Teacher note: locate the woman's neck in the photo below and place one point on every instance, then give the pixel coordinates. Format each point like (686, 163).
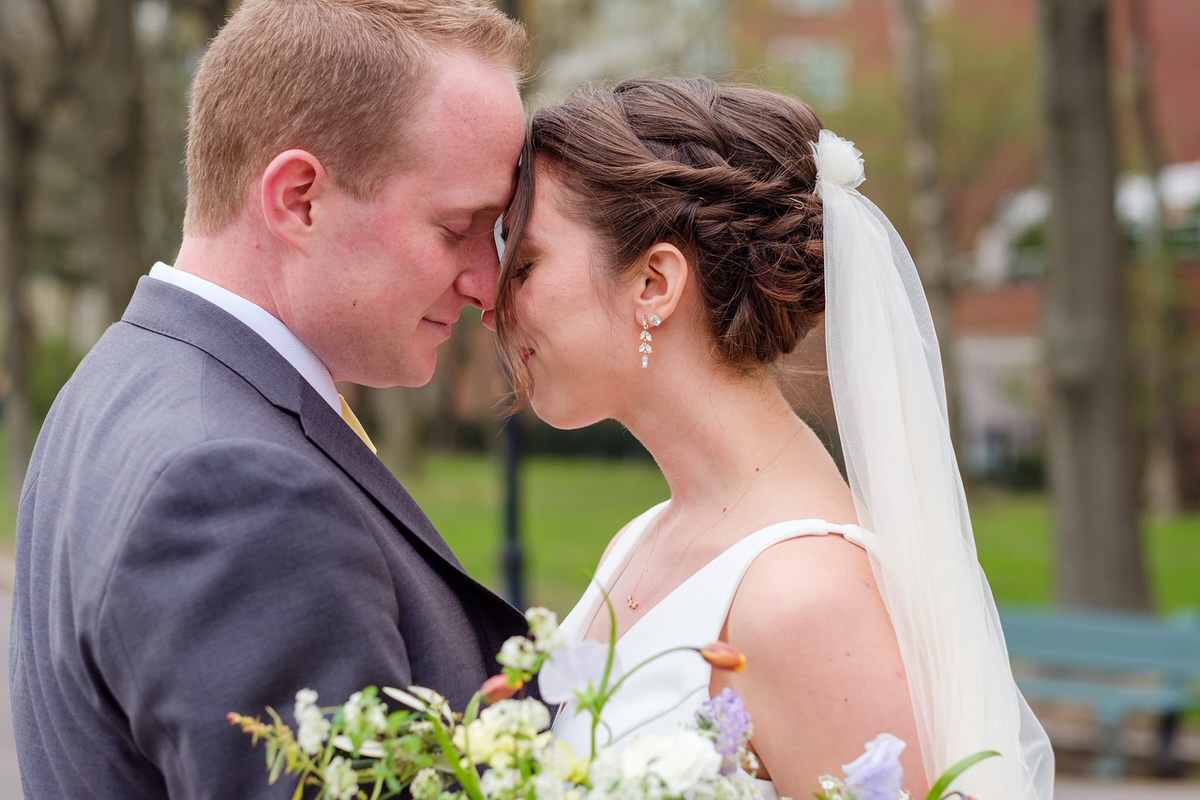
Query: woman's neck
(713, 434)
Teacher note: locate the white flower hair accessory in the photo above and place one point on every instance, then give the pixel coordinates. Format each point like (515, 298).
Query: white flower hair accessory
(838, 161)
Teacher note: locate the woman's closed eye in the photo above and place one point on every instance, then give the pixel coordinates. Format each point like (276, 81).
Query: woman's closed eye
(521, 269)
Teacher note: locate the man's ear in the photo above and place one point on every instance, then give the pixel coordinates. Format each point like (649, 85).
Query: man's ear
(289, 185)
(660, 282)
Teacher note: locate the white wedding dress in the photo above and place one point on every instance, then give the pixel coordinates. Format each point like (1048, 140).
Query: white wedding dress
(668, 692)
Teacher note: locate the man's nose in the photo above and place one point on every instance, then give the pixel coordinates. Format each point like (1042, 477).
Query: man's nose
(477, 282)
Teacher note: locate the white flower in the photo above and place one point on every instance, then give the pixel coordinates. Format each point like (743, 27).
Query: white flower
(366, 711)
(548, 787)
(543, 625)
(735, 786)
(502, 730)
(559, 762)
(571, 669)
(519, 653)
(499, 782)
(340, 780)
(426, 785)
(672, 764)
(311, 725)
(420, 698)
(369, 748)
(838, 161)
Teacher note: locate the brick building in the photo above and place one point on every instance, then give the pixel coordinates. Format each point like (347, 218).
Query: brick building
(842, 54)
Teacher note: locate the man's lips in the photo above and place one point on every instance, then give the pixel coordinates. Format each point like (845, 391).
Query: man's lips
(443, 325)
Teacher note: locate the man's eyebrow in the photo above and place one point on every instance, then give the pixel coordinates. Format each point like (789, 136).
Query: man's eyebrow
(468, 209)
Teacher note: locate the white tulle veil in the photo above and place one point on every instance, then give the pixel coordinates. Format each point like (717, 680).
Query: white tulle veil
(890, 401)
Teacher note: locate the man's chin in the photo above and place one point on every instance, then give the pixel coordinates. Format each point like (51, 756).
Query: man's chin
(410, 376)
(419, 377)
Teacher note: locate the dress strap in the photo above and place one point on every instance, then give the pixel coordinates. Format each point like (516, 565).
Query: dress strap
(699, 606)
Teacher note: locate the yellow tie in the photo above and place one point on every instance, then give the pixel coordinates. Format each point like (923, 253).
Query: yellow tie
(355, 425)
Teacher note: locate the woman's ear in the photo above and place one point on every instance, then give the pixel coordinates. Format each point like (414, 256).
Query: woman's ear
(289, 185)
(660, 282)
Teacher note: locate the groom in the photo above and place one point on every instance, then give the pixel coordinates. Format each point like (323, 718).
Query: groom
(204, 527)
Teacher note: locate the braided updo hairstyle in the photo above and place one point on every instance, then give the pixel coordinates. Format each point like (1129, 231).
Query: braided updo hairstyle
(723, 172)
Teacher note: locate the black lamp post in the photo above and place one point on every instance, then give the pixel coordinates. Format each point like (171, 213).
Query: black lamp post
(512, 557)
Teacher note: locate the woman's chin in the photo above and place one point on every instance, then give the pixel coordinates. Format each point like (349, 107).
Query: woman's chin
(563, 418)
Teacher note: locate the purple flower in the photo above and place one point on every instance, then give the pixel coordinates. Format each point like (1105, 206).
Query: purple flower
(728, 715)
(877, 773)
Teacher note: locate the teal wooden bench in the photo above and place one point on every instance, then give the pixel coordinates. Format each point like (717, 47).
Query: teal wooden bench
(1116, 663)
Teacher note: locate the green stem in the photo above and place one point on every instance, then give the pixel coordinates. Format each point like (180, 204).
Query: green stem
(654, 657)
(466, 775)
(605, 691)
(608, 665)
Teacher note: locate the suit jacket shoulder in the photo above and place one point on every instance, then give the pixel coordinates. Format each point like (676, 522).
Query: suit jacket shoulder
(201, 533)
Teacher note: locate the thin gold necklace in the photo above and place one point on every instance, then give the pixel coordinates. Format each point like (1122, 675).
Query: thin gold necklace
(630, 600)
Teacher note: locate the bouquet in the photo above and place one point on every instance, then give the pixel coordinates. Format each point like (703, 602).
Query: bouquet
(500, 747)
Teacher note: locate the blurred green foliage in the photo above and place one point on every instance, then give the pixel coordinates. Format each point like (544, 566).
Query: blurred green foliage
(52, 363)
(570, 508)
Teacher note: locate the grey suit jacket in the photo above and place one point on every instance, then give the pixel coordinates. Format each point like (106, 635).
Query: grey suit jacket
(199, 533)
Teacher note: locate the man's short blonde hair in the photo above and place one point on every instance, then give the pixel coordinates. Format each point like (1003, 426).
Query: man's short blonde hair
(337, 78)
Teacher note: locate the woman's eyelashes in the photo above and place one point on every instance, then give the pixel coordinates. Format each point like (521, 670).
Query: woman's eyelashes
(521, 266)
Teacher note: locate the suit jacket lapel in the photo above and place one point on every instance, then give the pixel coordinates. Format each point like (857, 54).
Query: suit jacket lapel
(174, 312)
(330, 433)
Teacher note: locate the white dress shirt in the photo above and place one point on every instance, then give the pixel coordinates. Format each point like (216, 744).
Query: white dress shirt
(262, 322)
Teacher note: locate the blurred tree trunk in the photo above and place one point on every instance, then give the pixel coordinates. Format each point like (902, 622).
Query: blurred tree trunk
(928, 205)
(18, 136)
(396, 415)
(1091, 434)
(1163, 311)
(112, 87)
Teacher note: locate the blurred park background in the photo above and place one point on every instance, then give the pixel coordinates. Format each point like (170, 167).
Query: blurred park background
(1041, 157)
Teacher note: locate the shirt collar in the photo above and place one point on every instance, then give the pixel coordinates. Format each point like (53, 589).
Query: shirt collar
(262, 322)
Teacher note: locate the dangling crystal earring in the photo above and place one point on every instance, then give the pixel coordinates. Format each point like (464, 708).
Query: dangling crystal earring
(645, 349)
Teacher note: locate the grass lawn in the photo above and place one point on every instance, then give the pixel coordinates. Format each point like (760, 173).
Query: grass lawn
(8, 510)
(570, 508)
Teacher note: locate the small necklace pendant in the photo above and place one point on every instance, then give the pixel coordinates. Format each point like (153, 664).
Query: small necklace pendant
(633, 604)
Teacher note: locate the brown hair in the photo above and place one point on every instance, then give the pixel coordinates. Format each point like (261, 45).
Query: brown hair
(337, 78)
(724, 172)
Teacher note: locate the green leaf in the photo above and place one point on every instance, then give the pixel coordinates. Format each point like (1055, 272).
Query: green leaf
(466, 775)
(958, 768)
(276, 768)
(472, 709)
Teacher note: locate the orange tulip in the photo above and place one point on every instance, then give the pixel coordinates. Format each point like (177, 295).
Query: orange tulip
(498, 687)
(723, 656)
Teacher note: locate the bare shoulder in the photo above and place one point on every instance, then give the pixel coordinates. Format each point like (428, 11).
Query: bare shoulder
(810, 586)
(823, 670)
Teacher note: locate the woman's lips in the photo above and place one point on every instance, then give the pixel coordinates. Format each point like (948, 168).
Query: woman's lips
(526, 353)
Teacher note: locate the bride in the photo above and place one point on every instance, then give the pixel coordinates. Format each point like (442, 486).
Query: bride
(670, 240)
